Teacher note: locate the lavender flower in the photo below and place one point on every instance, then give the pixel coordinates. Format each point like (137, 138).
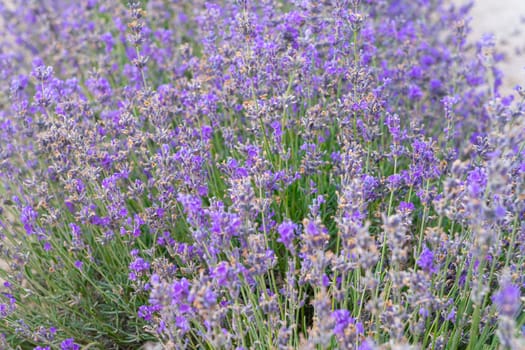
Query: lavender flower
(69, 344)
(273, 174)
(507, 300)
(287, 234)
(426, 261)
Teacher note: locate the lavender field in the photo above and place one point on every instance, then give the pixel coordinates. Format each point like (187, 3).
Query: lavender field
(270, 174)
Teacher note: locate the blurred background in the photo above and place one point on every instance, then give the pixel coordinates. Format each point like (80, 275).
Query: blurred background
(506, 20)
(503, 18)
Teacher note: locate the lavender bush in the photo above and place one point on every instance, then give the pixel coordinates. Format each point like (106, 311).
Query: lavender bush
(272, 174)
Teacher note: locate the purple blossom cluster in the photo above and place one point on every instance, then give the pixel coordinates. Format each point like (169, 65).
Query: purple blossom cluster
(339, 174)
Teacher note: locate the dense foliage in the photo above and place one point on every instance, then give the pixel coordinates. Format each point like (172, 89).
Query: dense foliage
(272, 174)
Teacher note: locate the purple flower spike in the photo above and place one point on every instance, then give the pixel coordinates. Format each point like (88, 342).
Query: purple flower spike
(342, 320)
(69, 344)
(507, 300)
(426, 261)
(79, 264)
(287, 231)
